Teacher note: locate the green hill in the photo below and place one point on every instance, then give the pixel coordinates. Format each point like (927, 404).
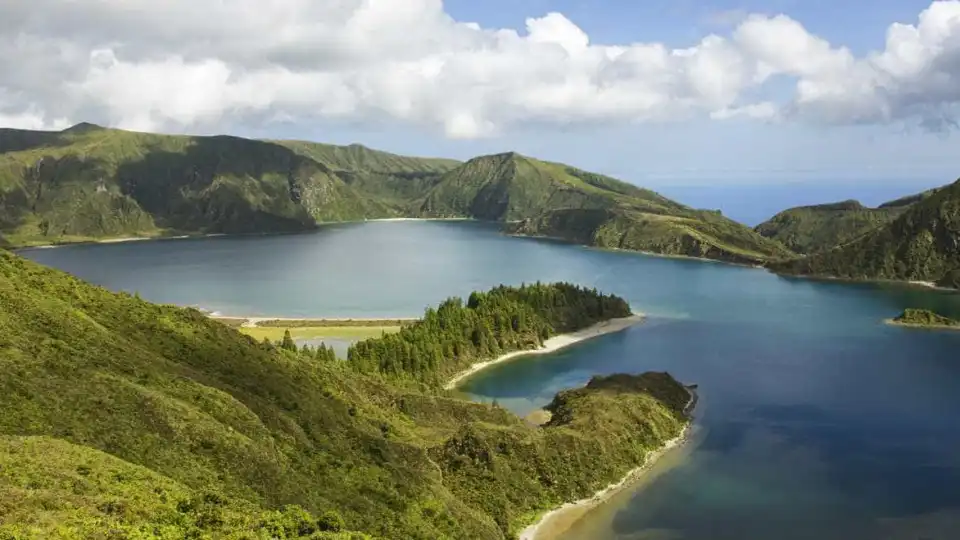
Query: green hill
(89, 182)
(125, 419)
(539, 198)
(921, 244)
(807, 229)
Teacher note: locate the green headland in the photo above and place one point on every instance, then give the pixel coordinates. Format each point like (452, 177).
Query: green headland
(126, 419)
(924, 318)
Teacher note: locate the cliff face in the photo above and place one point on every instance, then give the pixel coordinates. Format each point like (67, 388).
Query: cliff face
(808, 229)
(89, 182)
(95, 182)
(922, 244)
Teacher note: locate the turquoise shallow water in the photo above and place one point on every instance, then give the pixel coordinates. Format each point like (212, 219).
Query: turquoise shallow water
(816, 420)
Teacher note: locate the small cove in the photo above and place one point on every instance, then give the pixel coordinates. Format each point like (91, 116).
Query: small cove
(816, 420)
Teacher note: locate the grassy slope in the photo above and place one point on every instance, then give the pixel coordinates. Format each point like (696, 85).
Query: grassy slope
(120, 413)
(922, 244)
(809, 229)
(88, 182)
(91, 182)
(550, 199)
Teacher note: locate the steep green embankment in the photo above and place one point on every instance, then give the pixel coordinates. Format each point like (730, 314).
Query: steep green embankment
(555, 200)
(88, 182)
(922, 244)
(91, 182)
(808, 229)
(128, 419)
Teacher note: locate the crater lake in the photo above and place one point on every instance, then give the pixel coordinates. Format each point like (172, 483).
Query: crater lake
(815, 419)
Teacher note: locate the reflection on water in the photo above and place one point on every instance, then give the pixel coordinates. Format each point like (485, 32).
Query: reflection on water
(818, 421)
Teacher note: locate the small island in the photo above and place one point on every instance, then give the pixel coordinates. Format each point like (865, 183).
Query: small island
(924, 318)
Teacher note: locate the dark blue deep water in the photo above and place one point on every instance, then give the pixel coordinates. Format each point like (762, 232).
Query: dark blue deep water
(816, 420)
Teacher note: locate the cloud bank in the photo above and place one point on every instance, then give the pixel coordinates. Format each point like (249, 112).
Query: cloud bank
(148, 65)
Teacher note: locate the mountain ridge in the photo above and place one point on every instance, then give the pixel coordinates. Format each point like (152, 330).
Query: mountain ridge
(921, 244)
(89, 182)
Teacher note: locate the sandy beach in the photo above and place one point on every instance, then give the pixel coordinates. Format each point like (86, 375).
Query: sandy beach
(552, 345)
(251, 322)
(538, 530)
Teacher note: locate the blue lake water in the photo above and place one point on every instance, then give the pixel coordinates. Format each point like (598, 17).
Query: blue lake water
(816, 420)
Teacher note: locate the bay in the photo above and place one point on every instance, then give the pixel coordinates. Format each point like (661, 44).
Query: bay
(816, 420)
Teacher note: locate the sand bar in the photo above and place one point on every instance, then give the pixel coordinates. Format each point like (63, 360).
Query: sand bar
(552, 345)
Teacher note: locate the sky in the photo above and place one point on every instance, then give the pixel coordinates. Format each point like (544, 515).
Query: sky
(709, 98)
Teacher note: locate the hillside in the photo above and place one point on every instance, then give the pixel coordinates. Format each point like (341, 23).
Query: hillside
(89, 182)
(539, 198)
(922, 244)
(137, 420)
(807, 229)
(690, 233)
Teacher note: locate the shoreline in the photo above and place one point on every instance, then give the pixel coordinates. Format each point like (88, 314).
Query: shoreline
(893, 322)
(552, 344)
(125, 239)
(636, 251)
(909, 283)
(533, 531)
(254, 322)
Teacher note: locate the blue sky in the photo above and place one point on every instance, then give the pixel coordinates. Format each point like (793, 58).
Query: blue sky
(774, 111)
(870, 160)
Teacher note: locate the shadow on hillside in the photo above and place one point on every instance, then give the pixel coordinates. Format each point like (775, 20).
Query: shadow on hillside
(222, 184)
(16, 140)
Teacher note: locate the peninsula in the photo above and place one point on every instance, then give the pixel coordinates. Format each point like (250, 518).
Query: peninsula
(924, 318)
(145, 419)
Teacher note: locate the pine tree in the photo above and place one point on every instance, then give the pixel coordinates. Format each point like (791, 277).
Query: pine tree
(288, 342)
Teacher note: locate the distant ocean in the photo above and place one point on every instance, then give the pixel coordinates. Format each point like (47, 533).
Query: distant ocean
(752, 204)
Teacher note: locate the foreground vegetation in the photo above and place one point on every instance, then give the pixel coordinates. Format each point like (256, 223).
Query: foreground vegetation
(924, 318)
(919, 245)
(125, 419)
(89, 182)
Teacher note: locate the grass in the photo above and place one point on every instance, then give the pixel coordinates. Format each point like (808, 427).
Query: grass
(339, 323)
(125, 419)
(274, 333)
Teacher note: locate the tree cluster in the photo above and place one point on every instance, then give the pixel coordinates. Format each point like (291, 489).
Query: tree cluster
(504, 319)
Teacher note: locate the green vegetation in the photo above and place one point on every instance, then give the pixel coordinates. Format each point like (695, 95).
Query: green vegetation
(125, 419)
(313, 332)
(558, 201)
(808, 229)
(338, 323)
(89, 182)
(505, 319)
(924, 318)
(920, 245)
(689, 233)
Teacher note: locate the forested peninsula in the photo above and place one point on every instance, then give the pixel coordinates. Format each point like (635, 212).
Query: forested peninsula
(88, 183)
(147, 420)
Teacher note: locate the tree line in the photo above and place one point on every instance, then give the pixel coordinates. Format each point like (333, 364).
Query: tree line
(504, 319)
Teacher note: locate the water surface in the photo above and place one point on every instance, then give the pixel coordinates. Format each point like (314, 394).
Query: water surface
(815, 420)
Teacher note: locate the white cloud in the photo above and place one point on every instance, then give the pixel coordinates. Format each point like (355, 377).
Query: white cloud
(186, 63)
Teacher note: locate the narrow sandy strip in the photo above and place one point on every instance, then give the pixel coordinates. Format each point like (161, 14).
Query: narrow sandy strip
(531, 532)
(552, 345)
(253, 322)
